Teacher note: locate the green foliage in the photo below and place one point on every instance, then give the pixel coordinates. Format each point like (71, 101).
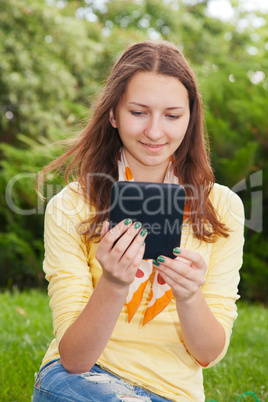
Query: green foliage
(48, 70)
(22, 213)
(53, 61)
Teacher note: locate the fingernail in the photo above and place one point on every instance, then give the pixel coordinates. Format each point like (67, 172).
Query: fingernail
(143, 232)
(176, 250)
(127, 221)
(137, 225)
(156, 263)
(161, 259)
(143, 243)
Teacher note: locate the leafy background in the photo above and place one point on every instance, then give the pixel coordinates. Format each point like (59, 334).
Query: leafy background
(54, 57)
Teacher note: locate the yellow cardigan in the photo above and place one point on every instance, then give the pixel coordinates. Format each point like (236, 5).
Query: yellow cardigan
(154, 356)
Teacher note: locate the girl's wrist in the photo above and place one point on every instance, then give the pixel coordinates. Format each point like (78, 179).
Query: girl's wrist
(191, 301)
(113, 286)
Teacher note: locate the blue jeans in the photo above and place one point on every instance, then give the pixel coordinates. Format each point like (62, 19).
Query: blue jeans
(54, 383)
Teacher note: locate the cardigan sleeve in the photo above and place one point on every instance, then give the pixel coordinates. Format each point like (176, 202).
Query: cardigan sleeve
(67, 260)
(221, 286)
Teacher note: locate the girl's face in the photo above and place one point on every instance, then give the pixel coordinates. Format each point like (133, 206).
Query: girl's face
(152, 117)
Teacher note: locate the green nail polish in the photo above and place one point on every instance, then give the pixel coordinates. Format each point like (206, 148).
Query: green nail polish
(156, 263)
(143, 232)
(137, 225)
(143, 243)
(127, 221)
(176, 250)
(161, 259)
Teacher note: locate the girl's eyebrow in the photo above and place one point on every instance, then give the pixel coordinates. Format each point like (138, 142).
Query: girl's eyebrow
(145, 106)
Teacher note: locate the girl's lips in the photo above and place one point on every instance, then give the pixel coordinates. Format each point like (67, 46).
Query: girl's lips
(152, 147)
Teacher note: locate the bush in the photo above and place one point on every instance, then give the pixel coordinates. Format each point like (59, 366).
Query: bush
(53, 60)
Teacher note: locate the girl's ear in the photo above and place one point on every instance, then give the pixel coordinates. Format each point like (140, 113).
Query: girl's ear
(112, 119)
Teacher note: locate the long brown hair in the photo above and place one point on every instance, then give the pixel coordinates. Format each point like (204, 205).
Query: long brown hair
(92, 158)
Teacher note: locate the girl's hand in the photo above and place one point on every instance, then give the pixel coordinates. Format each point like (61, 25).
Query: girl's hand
(121, 261)
(185, 274)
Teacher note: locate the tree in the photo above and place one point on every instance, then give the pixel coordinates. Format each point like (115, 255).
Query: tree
(52, 62)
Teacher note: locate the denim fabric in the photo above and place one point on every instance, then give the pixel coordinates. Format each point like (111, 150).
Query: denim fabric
(54, 383)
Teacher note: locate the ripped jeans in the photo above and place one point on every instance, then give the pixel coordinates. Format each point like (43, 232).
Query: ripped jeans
(54, 383)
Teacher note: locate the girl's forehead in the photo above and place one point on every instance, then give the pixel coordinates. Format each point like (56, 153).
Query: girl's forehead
(153, 87)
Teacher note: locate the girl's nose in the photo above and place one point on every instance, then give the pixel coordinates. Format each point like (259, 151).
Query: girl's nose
(153, 130)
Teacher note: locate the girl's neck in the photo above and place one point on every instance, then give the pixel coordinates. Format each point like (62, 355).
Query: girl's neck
(154, 174)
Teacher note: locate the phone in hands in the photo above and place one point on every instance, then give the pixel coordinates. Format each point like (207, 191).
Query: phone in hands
(158, 206)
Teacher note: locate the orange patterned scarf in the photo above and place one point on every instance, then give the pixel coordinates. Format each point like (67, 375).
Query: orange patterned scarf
(161, 292)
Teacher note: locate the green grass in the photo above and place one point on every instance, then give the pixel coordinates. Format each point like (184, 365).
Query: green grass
(244, 368)
(26, 331)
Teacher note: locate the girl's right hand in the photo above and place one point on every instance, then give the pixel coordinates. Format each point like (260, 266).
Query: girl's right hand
(121, 261)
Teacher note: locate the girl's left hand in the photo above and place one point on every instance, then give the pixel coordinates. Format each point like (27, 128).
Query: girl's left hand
(185, 274)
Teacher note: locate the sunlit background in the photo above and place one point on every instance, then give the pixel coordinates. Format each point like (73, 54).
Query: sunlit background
(54, 57)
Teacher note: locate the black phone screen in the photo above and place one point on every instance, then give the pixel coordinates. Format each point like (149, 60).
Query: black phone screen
(158, 206)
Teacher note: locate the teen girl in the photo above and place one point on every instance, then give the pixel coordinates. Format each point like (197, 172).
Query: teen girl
(128, 329)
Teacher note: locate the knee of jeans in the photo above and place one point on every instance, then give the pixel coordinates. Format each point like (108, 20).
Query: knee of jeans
(127, 395)
(131, 397)
(99, 378)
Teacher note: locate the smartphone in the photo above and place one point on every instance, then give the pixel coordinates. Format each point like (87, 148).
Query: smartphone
(158, 206)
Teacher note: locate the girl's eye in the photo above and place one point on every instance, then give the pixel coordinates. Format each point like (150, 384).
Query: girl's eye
(172, 116)
(136, 113)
